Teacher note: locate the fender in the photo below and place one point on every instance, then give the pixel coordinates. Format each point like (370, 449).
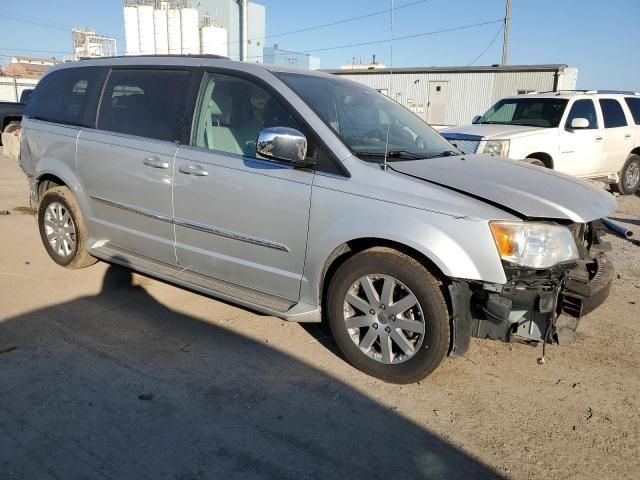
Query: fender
(420, 230)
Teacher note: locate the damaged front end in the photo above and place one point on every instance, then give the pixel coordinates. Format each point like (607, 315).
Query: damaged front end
(535, 305)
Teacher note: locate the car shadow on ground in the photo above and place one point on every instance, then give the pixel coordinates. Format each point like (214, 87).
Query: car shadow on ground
(119, 386)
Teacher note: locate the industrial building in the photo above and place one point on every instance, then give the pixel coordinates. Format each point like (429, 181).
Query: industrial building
(233, 28)
(452, 96)
(88, 44)
(278, 56)
(28, 67)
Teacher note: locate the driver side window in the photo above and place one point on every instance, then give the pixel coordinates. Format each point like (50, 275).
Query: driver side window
(583, 109)
(231, 113)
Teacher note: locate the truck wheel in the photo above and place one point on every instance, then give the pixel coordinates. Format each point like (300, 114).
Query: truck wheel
(63, 230)
(534, 161)
(388, 315)
(629, 176)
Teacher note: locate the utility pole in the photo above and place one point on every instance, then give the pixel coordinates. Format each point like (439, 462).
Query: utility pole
(505, 43)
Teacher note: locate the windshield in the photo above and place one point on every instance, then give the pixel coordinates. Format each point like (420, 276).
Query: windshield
(363, 118)
(532, 112)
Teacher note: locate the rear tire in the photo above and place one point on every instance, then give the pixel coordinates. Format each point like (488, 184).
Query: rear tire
(63, 230)
(629, 177)
(381, 337)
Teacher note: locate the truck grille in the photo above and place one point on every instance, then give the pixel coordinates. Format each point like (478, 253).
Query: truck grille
(466, 143)
(467, 146)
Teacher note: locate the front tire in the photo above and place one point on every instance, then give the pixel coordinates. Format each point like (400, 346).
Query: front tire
(629, 176)
(388, 315)
(63, 230)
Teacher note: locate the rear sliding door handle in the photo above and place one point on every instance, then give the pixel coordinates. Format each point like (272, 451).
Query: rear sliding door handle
(155, 162)
(598, 139)
(195, 170)
(628, 135)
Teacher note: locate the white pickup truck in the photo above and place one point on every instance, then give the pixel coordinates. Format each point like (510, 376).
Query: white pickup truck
(589, 134)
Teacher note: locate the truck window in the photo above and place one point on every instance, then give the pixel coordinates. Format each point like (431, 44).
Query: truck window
(583, 109)
(62, 96)
(634, 106)
(612, 113)
(146, 103)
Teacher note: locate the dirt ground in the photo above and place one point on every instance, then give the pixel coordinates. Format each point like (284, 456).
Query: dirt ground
(104, 374)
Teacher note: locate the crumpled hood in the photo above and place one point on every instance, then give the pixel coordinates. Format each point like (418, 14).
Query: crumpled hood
(532, 192)
(499, 132)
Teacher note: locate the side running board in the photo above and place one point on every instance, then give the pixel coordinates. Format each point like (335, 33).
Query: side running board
(207, 285)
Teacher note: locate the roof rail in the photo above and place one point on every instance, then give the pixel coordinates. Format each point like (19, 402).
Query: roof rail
(171, 55)
(590, 92)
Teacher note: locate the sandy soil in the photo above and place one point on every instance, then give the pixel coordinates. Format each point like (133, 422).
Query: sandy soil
(104, 374)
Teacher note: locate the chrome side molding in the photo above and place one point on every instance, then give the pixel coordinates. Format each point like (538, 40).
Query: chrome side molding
(195, 226)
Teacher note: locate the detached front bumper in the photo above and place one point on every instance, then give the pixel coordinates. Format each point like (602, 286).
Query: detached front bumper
(534, 305)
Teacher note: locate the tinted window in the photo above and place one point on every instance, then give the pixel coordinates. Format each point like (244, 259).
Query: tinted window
(63, 95)
(533, 112)
(231, 113)
(612, 113)
(583, 109)
(634, 106)
(146, 103)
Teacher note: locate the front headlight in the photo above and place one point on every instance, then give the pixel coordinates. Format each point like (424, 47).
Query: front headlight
(532, 244)
(497, 147)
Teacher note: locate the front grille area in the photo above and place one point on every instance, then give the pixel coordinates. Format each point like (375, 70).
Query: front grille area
(466, 146)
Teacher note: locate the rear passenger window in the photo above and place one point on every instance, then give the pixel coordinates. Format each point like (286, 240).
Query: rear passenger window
(612, 113)
(62, 96)
(634, 106)
(146, 103)
(583, 109)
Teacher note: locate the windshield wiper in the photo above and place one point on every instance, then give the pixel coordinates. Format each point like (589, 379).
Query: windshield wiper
(401, 154)
(446, 153)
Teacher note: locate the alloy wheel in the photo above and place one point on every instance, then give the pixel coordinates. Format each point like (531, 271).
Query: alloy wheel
(384, 318)
(60, 229)
(632, 176)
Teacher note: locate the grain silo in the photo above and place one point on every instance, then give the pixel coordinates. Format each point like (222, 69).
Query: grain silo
(189, 31)
(131, 34)
(174, 31)
(160, 27)
(146, 30)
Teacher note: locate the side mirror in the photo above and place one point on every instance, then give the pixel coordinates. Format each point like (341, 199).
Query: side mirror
(284, 144)
(476, 119)
(579, 122)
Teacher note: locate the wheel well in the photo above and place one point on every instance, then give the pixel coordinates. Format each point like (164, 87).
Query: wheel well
(636, 151)
(46, 182)
(350, 248)
(544, 158)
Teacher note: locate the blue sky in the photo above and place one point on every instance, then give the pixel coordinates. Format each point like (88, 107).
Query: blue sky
(598, 37)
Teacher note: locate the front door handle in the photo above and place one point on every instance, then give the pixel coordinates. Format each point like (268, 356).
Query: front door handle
(628, 135)
(155, 162)
(598, 139)
(195, 170)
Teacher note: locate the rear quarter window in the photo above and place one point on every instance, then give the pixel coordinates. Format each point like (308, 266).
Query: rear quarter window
(634, 106)
(63, 96)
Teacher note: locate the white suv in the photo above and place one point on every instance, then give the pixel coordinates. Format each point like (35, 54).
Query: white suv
(589, 134)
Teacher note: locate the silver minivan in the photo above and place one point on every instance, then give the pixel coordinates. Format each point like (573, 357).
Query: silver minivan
(309, 197)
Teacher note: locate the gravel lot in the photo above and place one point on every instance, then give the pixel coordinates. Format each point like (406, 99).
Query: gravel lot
(104, 374)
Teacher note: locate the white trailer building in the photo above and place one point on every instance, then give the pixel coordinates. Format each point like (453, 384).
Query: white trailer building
(452, 96)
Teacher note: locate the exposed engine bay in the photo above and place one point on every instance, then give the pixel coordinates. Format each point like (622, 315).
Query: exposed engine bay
(536, 305)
